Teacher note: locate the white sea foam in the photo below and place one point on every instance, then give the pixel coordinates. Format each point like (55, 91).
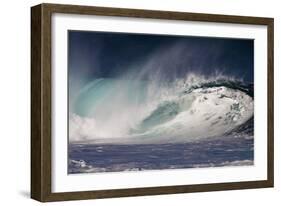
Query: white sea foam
(77, 167)
(226, 163)
(139, 112)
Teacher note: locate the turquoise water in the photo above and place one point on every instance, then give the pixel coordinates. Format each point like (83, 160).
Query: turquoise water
(134, 125)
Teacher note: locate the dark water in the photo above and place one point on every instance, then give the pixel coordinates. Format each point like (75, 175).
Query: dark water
(215, 152)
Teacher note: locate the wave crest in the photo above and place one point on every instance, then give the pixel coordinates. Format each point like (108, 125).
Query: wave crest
(110, 110)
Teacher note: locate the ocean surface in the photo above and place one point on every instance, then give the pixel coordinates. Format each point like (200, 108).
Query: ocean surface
(216, 152)
(129, 125)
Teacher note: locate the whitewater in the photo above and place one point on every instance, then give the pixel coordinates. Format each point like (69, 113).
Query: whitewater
(130, 111)
(135, 124)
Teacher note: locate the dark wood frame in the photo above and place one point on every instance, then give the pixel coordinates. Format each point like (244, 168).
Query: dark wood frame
(41, 101)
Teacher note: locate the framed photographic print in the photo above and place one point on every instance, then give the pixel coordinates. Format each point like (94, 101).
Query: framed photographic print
(132, 102)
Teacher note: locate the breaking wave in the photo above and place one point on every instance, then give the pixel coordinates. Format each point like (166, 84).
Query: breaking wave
(140, 111)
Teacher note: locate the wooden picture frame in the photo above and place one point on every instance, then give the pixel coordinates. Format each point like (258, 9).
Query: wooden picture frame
(41, 101)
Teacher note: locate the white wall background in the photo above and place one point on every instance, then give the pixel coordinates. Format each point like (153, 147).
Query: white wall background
(15, 102)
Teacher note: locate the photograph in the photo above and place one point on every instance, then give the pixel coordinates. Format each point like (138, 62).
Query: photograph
(133, 102)
(139, 102)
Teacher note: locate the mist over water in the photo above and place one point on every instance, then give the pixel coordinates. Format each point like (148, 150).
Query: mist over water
(143, 111)
(139, 102)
